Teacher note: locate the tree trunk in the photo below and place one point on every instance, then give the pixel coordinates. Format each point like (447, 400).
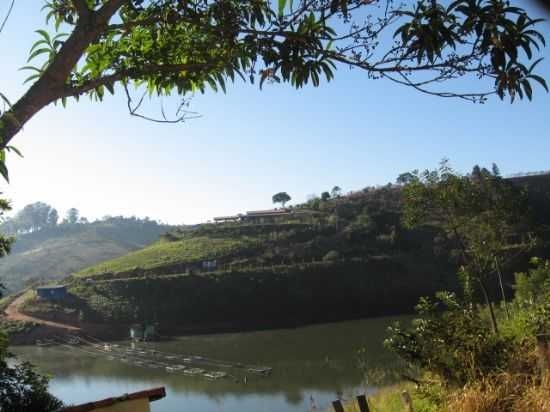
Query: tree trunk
(490, 305)
(52, 84)
(499, 273)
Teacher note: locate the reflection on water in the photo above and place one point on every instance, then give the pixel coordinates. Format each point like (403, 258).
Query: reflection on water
(315, 362)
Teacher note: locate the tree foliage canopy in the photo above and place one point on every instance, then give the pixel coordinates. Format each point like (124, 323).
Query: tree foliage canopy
(181, 47)
(21, 388)
(281, 197)
(485, 218)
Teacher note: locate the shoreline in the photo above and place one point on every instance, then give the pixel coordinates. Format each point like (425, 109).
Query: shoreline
(113, 332)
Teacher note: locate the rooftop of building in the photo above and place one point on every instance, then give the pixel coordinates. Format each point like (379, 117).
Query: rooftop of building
(51, 287)
(151, 394)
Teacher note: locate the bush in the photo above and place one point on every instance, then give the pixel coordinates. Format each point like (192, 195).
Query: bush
(533, 297)
(534, 286)
(21, 388)
(452, 341)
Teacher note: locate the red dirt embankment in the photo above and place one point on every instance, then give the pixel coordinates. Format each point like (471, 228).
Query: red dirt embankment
(13, 313)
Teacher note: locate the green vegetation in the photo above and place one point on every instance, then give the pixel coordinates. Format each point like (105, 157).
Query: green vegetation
(348, 256)
(485, 219)
(282, 198)
(168, 253)
(50, 251)
(373, 252)
(270, 296)
(343, 260)
(175, 47)
(21, 388)
(464, 365)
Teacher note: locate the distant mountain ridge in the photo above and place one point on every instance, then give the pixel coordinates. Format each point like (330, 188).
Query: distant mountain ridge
(55, 252)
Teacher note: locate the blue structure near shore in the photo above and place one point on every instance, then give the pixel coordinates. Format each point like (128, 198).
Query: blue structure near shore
(57, 292)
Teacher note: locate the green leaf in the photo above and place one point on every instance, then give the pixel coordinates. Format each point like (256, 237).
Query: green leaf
(5, 99)
(44, 34)
(30, 78)
(31, 68)
(110, 87)
(37, 44)
(4, 171)
(14, 149)
(528, 89)
(282, 5)
(540, 80)
(37, 53)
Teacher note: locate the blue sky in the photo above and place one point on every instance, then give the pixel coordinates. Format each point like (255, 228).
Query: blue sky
(248, 144)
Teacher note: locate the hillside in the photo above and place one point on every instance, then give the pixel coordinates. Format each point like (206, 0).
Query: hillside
(55, 252)
(336, 259)
(326, 260)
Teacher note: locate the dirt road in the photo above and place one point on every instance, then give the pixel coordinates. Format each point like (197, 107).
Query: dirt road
(13, 313)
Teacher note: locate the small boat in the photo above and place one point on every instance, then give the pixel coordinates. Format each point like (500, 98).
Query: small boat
(170, 369)
(170, 357)
(179, 367)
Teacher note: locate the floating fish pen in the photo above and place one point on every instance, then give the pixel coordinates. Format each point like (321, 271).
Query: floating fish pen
(189, 365)
(45, 342)
(264, 370)
(193, 371)
(215, 375)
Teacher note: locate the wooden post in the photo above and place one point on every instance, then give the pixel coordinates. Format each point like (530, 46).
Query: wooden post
(407, 401)
(337, 405)
(363, 404)
(543, 352)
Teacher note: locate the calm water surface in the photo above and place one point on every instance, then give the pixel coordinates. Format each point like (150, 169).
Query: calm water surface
(318, 363)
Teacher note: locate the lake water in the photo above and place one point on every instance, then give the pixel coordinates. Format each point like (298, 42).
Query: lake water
(310, 364)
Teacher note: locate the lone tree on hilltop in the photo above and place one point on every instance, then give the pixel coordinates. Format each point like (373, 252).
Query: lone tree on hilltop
(175, 47)
(72, 216)
(281, 197)
(336, 191)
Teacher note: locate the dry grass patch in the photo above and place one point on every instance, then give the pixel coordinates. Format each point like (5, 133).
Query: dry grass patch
(504, 393)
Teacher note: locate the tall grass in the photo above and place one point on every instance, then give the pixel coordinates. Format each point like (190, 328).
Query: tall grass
(504, 393)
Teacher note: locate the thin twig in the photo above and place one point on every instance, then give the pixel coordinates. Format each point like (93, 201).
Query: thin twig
(7, 16)
(183, 115)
